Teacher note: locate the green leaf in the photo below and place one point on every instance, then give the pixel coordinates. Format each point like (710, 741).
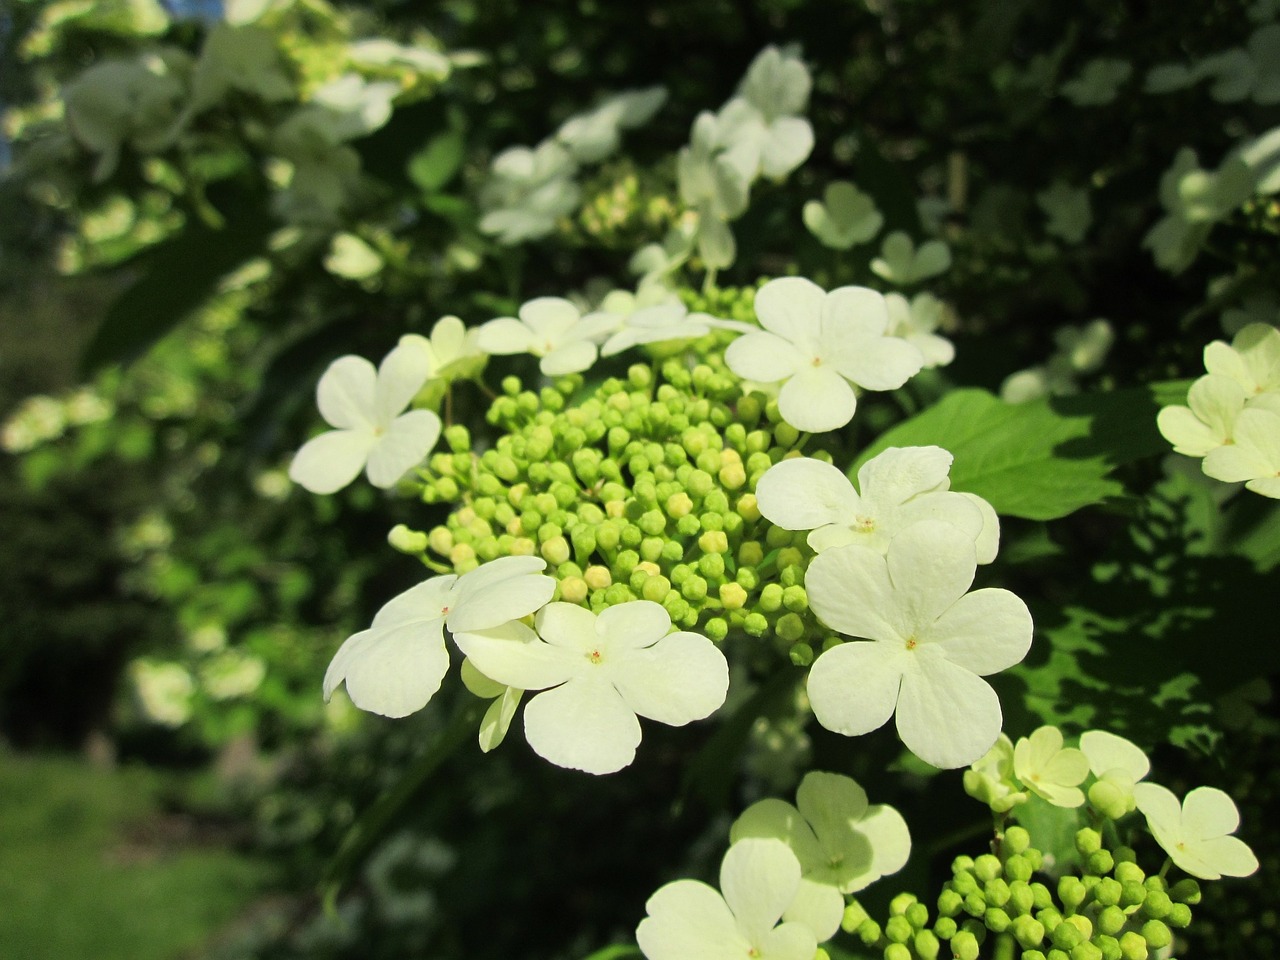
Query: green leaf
(180, 275)
(436, 164)
(1039, 460)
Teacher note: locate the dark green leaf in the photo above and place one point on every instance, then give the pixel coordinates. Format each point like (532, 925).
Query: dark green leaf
(436, 164)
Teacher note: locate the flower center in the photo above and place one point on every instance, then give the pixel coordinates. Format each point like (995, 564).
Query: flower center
(912, 643)
(864, 524)
(594, 656)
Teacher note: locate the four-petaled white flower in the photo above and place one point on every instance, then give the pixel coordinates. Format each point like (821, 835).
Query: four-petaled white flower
(373, 431)
(1050, 770)
(713, 184)
(664, 322)
(396, 666)
(761, 127)
(1118, 765)
(1252, 359)
(928, 643)
(452, 350)
(901, 263)
(689, 919)
(899, 487)
(552, 329)
(595, 134)
(843, 844)
(844, 217)
(1254, 456)
(596, 674)
(916, 322)
(527, 191)
(821, 345)
(1197, 833)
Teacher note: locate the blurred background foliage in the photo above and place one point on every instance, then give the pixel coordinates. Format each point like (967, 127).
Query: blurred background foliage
(173, 279)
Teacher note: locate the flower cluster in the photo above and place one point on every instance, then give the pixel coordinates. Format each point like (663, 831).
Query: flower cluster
(1232, 417)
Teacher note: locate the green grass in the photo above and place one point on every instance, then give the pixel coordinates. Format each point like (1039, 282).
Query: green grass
(87, 868)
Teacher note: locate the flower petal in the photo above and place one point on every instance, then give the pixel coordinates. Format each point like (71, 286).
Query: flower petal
(1208, 812)
(804, 494)
(549, 317)
(759, 879)
(682, 677)
(853, 688)
(583, 725)
(818, 907)
(345, 394)
(947, 716)
(1225, 856)
(880, 363)
(329, 462)
(1106, 751)
(900, 473)
(403, 372)
(1161, 808)
(426, 601)
(931, 565)
(403, 446)
(686, 919)
(572, 357)
(504, 589)
(817, 399)
(397, 670)
(569, 626)
(787, 145)
(497, 719)
(791, 307)
(850, 592)
(985, 631)
(762, 356)
(632, 625)
(513, 655)
(778, 819)
(505, 335)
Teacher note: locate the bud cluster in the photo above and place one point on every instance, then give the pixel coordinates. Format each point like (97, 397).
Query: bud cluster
(641, 490)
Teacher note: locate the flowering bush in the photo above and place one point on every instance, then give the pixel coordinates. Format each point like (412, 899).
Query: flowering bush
(683, 418)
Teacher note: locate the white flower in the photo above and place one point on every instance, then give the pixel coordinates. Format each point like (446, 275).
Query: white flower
(1197, 833)
(991, 780)
(595, 134)
(396, 666)
(760, 128)
(1048, 769)
(843, 844)
(1207, 422)
(453, 350)
(164, 691)
(351, 257)
(916, 323)
(715, 187)
(844, 217)
(901, 486)
(1254, 454)
(822, 344)
(527, 192)
(901, 263)
(665, 322)
(1252, 359)
(552, 329)
(1118, 765)
(689, 920)
(373, 432)
(928, 643)
(597, 673)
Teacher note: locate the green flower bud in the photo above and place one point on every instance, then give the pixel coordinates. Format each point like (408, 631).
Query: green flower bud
(964, 946)
(795, 599)
(926, 945)
(786, 434)
(1028, 931)
(1018, 867)
(573, 590)
(694, 588)
(1050, 917)
(1128, 872)
(1088, 841)
(790, 627)
(898, 930)
(1033, 955)
(1133, 946)
(732, 476)
(556, 550)
(897, 951)
(950, 903)
(1186, 890)
(801, 654)
(964, 884)
(1071, 892)
(716, 629)
(651, 549)
(997, 920)
(747, 508)
(898, 905)
(1035, 857)
(747, 578)
(790, 557)
(1109, 800)
(699, 484)
(1016, 839)
(1156, 883)
(853, 917)
(1108, 891)
(755, 624)
(945, 928)
(1085, 951)
(1081, 923)
(656, 589)
(734, 597)
(771, 597)
(1066, 935)
(712, 565)
(1043, 898)
(403, 539)
(1109, 946)
(987, 867)
(1132, 893)
(1157, 905)
(1111, 920)
(1179, 916)
(974, 904)
(1100, 863)
(1021, 899)
(869, 931)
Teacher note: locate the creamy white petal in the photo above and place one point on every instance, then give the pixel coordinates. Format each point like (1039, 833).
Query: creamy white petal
(880, 363)
(984, 631)
(689, 919)
(497, 719)
(762, 356)
(549, 317)
(402, 446)
(850, 592)
(817, 399)
(853, 688)
(831, 803)
(504, 589)
(987, 544)
(329, 462)
(890, 839)
(513, 655)
(804, 494)
(778, 819)
(583, 725)
(900, 473)
(1106, 751)
(787, 145)
(853, 316)
(397, 670)
(1208, 812)
(931, 565)
(403, 372)
(947, 716)
(1225, 856)
(791, 307)
(759, 879)
(425, 601)
(346, 393)
(818, 907)
(506, 335)
(569, 626)
(572, 357)
(682, 677)
(1161, 808)
(337, 670)
(638, 623)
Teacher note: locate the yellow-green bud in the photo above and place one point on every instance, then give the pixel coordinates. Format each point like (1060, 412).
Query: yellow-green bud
(945, 928)
(597, 577)
(790, 627)
(1111, 920)
(996, 892)
(1186, 890)
(1107, 892)
(755, 625)
(964, 946)
(713, 541)
(733, 476)
(974, 904)
(679, 505)
(1071, 892)
(789, 557)
(1132, 893)
(1100, 863)
(717, 628)
(898, 930)
(656, 589)
(1133, 946)
(926, 945)
(1016, 839)
(1028, 931)
(1066, 935)
(523, 547)
(897, 951)
(869, 931)
(1129, 872)
(997, 920)
(795, 599)
(734, 597)
(1081, 923)
(1088, 841)
(573, 590)
(407, 541)
(853, 917)
(950, 903)
(1109, 946)
(917, 915)
(987, 867)
(747, 508)
(1157, 904)
(712, 565)
(1179, 916)
(801, 654)
(1021, 899)
(899, 904)
(556, 551)
(1085, 951)
(1018, 867)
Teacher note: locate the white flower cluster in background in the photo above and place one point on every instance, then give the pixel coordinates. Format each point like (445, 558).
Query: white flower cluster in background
(784, 878)
(1080, 351)
(894, 568)
(1232, 416)
(529, 189)
(1251, 72)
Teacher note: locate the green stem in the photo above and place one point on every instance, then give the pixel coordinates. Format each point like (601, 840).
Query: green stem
(1004, 949)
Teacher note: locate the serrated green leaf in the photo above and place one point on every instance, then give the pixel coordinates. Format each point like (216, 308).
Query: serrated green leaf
(1039, 460)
